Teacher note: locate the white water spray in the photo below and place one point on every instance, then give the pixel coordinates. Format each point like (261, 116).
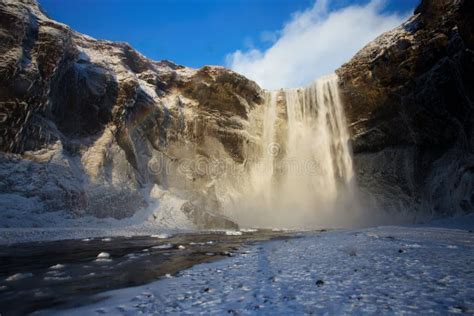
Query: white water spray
(301, 173)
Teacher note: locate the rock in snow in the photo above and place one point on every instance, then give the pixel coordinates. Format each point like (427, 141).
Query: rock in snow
(57, 266)
(19, 276)
(103, 255)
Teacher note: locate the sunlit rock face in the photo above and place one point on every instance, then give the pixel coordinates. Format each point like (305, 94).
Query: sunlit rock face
(89, 126)
(409, 102)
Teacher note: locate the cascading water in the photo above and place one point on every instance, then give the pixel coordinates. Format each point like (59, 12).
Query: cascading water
(300, 174)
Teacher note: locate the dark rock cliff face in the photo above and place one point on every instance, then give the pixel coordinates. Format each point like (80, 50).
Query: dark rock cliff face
(409, 101)
(84, 122)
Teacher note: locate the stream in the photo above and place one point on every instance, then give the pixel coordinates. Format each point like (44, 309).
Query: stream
(67, 273)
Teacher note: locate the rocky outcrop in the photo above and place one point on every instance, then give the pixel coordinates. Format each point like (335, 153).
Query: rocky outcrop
(409, 101)
(89, 126)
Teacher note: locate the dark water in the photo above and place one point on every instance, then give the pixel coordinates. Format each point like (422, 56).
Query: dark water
(133, 261)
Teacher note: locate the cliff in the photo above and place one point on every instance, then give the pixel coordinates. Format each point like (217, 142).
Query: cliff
(409, 102)
(85, 124)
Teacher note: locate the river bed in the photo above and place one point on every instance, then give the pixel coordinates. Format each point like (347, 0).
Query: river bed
(67, 273)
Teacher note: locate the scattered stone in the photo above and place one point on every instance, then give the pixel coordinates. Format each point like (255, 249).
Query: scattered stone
(19, 276)
(233, 233)
(103, 255)
(57, 266)
(164, 246)
(160, 236)
(457, 309)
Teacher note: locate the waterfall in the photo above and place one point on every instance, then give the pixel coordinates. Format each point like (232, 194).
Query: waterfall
(302, 175)
(262, 173)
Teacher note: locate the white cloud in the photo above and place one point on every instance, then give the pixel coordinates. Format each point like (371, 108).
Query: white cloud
(313, 43)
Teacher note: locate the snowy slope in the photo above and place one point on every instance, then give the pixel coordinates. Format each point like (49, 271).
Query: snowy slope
(390, 270)
(163, 215)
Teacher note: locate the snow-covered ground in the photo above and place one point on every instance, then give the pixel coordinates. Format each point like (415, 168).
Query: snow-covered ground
(425, 269)
(163, 215)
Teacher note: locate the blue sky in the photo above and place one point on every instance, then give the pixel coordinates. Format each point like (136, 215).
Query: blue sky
(197, 32)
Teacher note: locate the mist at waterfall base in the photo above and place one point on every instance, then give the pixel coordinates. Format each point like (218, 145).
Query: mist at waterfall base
(299, 171)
